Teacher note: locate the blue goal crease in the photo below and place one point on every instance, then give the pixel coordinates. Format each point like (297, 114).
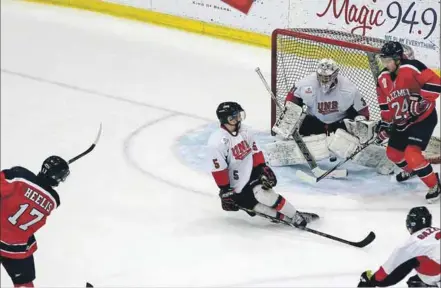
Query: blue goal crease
(192, 150)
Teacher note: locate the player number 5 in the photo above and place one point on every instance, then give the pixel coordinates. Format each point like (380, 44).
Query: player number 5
(235, 175)
(216, 163)
(34, 212)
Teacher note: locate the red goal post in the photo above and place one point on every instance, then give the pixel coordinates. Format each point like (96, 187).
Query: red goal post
(296, 52)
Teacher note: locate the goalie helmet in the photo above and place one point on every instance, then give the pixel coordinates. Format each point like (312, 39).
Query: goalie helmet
(418, 218)
(228, 111)
(54, 170)
(327, 72)
(392, 49)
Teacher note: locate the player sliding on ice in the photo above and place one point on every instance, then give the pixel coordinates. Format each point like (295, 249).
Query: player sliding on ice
(330, 114)
(240, 172)
(407, 91)
(420, 252)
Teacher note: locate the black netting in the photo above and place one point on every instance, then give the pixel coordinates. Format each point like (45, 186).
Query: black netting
(296, 53)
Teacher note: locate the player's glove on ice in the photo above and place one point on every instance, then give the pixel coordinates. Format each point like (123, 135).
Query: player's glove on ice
(382, 130)
(418, 105)
(228, 199)
(366, 279)
(267, 177)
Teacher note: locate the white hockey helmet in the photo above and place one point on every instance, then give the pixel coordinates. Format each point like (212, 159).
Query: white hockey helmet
(327, 72)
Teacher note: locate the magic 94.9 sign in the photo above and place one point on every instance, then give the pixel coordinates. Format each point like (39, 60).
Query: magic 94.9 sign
(415, 23)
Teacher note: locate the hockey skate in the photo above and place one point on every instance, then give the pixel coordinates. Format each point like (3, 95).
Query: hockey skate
(435, 192)
(404, 176)
(301, 219)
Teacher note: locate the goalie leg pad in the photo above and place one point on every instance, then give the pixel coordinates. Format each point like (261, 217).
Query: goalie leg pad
(343, 144)
(282, 153)
(288, 120)
(374, 156)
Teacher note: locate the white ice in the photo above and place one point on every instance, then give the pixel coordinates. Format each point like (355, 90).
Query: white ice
(140, 210)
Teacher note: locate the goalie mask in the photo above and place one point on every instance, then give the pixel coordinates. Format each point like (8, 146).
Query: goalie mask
(327, 72)
(230, 113)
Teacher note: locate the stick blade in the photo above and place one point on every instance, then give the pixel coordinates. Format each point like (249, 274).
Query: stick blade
(306, 177)
(98, 136)
(366, 241)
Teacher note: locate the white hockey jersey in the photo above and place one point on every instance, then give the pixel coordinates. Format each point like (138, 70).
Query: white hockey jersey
(423, 245)
(233, 157)
(330, 107)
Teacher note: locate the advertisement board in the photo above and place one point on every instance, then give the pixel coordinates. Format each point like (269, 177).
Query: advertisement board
(261, 16)
(415, 23)
(143, 4)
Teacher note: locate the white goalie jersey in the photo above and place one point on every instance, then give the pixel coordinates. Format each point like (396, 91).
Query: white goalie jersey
(332, 106)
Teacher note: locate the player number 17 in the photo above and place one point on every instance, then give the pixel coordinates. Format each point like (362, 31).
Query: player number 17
(34, 212)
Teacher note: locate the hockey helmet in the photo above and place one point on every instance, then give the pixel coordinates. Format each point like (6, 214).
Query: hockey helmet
(392, 49)
(55, 170)
(327, 72)
(418, 218)
(229, 111)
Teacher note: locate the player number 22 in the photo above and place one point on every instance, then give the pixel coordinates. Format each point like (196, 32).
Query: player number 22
(34, 212)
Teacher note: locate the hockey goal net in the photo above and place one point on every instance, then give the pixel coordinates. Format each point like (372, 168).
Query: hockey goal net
(296, 52)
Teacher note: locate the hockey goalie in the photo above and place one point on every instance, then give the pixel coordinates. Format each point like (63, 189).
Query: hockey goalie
(332, 117)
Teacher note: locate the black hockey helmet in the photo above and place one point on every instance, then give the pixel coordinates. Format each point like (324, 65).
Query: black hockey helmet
(392, 49)
(227, 111)
(418, 218)
(55, 170)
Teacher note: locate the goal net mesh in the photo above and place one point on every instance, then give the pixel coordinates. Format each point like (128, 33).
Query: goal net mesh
(296, 52)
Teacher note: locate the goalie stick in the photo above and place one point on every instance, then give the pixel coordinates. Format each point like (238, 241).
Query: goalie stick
(360, 244)
(312, 163)
(88, 149)
(311, 179)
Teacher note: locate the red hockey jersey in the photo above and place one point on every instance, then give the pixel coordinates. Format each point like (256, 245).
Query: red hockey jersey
(394, 91)
(25, 204)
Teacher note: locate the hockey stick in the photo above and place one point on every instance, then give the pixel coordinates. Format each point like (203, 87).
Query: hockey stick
(312, 163)
(360, 244)
(88, 149)
(342, 162)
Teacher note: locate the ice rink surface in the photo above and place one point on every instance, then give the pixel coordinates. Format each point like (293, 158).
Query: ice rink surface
(142, 210)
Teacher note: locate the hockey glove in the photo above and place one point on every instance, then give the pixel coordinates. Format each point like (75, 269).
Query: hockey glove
(366, 279)
(267, 178)
(228, 199)
(382, 130)
(418, 105)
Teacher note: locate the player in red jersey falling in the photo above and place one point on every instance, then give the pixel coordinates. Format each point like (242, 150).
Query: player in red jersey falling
(407, 91)
(26, 200)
